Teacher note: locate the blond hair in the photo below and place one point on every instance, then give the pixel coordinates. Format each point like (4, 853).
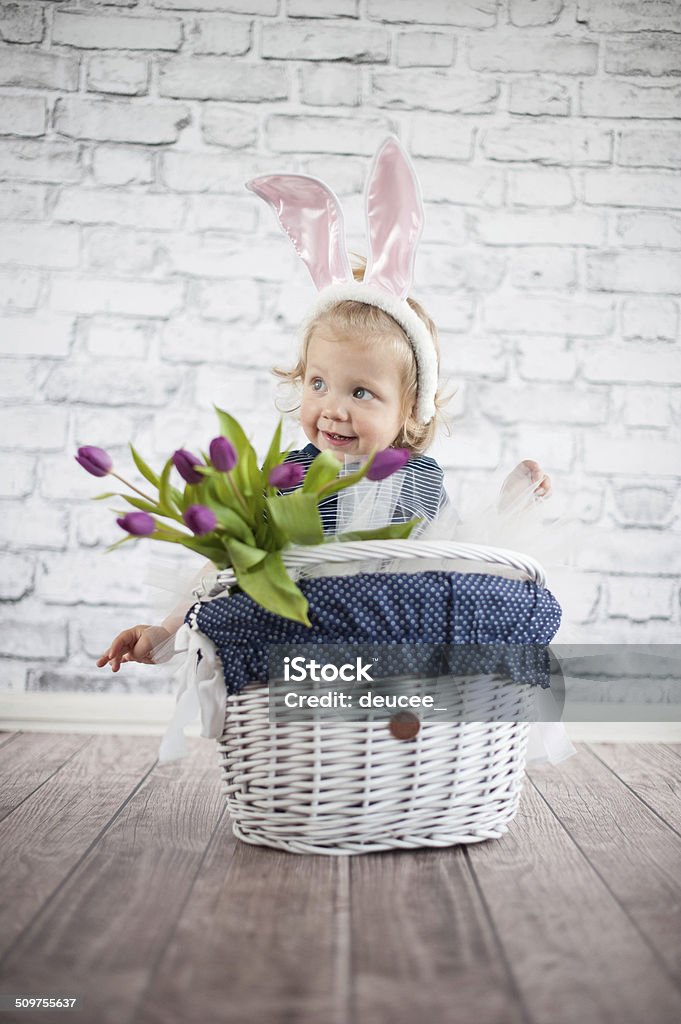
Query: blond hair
(379, 328)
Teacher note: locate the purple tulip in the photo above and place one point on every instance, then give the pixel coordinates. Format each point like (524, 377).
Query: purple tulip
(222, 454)
(139, 524)
(200, 519)
(288, 474)
(184, 463)
(387, 462)
(95, 460)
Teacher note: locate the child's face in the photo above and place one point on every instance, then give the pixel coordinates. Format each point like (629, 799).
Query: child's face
(352, 394)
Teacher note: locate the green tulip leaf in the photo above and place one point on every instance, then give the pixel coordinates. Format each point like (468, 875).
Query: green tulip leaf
(323, 470)
(194, 494)
(144, 469)
(169, 531)
(226, 494)
(118, 543)
(270, 585)
(275, 456)
(232, 523)
(165, 490)
(208, 549)
(243, 556)
(396, 531)
(140, 503)
(207, 546)
(297, 517)
(246, 474)
(348, 480)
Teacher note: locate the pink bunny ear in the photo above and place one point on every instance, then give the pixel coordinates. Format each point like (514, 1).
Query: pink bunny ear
(311, 216)
(394, 213)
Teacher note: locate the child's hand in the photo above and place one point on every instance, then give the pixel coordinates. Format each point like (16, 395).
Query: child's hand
(519, 480)
(134, 644)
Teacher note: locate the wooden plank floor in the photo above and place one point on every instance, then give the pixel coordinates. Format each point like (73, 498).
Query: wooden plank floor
(123, 884)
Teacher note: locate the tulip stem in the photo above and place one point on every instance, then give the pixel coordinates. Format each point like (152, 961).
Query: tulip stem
(238, 495)
(154, 501)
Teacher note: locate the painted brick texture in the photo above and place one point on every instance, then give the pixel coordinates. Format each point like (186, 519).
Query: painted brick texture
(140, 282)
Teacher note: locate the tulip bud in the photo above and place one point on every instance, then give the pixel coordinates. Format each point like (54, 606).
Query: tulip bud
(184, 463)
(222, 454)
(139, 524)
(94, 460)
(200, 519)
(387, 462)
(288, 474)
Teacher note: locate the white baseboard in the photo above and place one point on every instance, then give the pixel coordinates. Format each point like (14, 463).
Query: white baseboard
(624, 732)
(132, 714)
(144, 714)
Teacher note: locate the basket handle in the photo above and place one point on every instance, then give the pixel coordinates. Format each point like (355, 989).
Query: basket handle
(305, 555)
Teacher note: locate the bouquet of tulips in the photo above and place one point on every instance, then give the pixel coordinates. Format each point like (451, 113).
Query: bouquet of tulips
(231, 512)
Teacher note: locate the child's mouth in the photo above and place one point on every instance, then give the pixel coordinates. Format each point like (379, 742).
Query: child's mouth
(338, 440)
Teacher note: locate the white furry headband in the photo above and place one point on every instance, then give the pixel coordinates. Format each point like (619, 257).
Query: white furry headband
(310, 214)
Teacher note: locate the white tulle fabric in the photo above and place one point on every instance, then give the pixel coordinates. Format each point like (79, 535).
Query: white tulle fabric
(522, 525)
(200, 692)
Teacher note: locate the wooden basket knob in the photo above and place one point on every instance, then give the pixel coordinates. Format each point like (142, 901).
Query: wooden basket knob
(404, 725)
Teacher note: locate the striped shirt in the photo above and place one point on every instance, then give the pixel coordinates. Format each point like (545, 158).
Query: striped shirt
(416, 491)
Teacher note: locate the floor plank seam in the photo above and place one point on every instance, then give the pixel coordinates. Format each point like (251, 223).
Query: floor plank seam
(658, 958)
(634, 792)
(87, 740)
(512, 981)
(80, 861)
(343, 934)
(158, 960)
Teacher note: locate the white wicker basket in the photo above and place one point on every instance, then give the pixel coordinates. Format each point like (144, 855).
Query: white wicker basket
(351, 787)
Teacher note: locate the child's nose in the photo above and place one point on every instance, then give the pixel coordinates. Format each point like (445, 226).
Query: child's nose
(335, 408)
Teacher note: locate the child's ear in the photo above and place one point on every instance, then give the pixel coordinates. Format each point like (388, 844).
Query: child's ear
(409, 416)
(402, 433)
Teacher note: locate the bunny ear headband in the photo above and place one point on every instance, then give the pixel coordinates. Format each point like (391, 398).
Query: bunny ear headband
(311, 216)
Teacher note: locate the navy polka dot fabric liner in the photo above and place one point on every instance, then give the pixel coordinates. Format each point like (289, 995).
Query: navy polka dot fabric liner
(496, 624)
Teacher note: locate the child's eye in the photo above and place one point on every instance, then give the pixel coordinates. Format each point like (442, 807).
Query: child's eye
(317, 384)
(362, 393)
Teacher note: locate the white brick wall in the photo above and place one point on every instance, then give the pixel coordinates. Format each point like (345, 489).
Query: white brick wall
(139, 282)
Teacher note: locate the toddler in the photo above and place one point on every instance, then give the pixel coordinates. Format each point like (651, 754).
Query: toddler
(358, 380)
(368, 365)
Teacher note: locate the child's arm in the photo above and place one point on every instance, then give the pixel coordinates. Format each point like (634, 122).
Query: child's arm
(138, 642)
(134, 644)
(527, 477)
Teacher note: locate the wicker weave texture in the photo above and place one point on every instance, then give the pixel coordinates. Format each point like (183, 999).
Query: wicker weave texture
(350, 787)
